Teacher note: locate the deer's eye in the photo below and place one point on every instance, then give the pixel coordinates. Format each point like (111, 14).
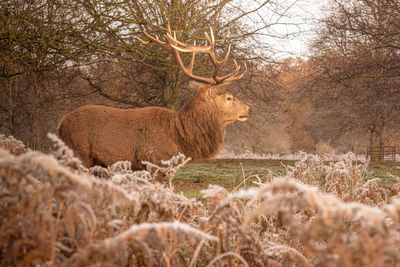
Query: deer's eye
(229, 98)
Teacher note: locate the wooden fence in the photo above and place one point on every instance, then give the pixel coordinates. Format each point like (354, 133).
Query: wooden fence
(381, 153)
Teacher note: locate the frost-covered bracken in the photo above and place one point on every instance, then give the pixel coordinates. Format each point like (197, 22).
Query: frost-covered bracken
(224, 154)
(11, 144)
(54, 211)
(102, 135)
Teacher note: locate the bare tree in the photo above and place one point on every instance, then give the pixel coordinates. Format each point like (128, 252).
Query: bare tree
(62, 53)
(356, 61)
(119, 23)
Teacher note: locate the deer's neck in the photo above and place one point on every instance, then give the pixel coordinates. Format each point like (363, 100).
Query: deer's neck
(199, 130)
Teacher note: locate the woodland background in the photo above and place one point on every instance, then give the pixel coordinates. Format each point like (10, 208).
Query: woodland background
(56, 55)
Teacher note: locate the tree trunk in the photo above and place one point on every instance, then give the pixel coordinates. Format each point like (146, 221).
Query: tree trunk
(170, 96)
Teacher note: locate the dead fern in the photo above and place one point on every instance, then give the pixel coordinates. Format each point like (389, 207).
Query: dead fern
(54, 211)
(12, 145)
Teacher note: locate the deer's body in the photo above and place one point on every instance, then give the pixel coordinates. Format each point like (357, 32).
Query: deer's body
(102, 135)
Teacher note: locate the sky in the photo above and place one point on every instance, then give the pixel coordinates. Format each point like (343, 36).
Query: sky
(303, 13)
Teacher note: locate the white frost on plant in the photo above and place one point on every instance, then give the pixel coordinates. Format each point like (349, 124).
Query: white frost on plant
(142, 229)
(291, 157)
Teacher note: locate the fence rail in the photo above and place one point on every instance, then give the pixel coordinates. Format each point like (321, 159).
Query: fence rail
(381, 153)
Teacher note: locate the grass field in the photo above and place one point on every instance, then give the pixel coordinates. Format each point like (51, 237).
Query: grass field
(230, 173)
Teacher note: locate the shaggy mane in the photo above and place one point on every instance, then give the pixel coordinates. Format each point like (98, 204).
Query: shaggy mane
(199, 128)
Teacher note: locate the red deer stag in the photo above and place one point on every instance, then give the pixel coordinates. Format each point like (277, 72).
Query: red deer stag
(101, 135)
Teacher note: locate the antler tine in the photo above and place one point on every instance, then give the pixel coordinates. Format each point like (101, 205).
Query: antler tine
(212, 37)
(218, 64)
(234, 78)
(143, 42)
(193, 58)
(155, 40)
(172, 38)
(209, 41)
(169, 28)
(226, 77)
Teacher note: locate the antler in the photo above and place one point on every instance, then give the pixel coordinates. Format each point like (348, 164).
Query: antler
(175, 46)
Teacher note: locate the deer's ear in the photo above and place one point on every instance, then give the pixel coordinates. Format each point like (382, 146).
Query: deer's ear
(195, 86)
(219, 88)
